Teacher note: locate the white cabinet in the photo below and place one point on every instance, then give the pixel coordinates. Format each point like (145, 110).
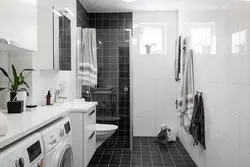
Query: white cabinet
(28, 24)
(83, 136)
(18, 22)
(48, 53)
(45, 34)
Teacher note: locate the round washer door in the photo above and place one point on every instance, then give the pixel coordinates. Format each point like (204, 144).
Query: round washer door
(64, 157)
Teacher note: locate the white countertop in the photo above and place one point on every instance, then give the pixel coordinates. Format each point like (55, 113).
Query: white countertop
(20, 125)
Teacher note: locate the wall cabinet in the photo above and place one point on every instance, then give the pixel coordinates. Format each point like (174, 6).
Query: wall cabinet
(30, 25)
(54, 40)
(18, 22)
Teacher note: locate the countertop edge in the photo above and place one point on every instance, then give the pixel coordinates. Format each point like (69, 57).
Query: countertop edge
(76, 110)
(31, 130)
(71, 109)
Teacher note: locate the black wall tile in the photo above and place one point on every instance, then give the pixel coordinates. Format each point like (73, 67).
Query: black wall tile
(113, 58)
(64, 44)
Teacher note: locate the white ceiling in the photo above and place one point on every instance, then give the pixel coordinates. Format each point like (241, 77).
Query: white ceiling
(148, 5)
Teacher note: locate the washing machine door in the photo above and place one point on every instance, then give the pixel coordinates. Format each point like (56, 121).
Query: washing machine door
(64, 156)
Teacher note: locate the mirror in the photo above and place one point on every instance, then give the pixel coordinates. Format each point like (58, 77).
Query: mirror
(62, 40)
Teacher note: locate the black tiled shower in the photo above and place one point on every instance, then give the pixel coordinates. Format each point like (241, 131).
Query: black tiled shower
(113, 40)
(145, 153)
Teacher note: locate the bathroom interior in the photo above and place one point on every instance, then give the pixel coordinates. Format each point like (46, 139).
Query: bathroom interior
(120, 71)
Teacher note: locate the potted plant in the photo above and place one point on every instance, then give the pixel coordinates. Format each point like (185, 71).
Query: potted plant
(149, 48)
(19, 86)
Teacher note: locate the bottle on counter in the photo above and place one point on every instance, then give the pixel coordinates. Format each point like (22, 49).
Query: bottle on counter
(48, 98)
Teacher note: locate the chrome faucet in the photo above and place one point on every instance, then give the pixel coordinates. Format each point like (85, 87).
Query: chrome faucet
(57, 93)
(61, 97)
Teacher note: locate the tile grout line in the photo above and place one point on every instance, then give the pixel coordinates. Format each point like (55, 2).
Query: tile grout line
(172, 159)
(180, 155)
(161, 156)
(144, 145)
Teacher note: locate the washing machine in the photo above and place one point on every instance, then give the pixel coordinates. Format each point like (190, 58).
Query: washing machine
(28, 152)
(58, 144)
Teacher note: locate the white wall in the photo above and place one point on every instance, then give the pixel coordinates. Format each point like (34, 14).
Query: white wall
(224, 78)
(4, 63)
(153, 79)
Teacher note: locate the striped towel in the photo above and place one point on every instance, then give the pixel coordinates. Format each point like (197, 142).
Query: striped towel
(186, 98)
(87, 67)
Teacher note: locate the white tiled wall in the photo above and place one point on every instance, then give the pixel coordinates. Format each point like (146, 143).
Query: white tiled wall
(4, 63)
(20, 61)
(224, 78)
(153, 78)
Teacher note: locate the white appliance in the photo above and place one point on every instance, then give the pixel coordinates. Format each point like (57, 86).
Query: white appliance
(28, 152)
(58, 144)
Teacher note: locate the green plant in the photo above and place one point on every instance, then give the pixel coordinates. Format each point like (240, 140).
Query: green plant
(17, 81)
(150, 45)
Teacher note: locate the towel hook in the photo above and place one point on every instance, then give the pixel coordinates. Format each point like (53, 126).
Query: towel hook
(201, 93)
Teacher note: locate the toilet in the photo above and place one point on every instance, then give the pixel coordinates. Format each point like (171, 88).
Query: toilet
(103, 132)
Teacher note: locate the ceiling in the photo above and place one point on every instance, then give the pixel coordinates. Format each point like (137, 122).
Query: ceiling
(148, 5)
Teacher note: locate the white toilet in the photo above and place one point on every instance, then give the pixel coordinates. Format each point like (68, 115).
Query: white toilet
(103, 132)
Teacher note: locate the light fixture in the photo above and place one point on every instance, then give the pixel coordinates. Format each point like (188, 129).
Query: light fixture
(136, 26)
(128, 0)
(69, 11)
(57, 13)
(127, 30)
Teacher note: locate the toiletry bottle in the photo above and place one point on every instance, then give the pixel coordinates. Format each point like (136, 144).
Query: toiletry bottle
(48, 98)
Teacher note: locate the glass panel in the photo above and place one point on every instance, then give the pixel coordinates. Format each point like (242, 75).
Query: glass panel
(113, 32)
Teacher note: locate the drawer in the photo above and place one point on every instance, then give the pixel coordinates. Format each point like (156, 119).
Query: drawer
(89, 123)
(90, 117)
(89, 136)
(90, 147)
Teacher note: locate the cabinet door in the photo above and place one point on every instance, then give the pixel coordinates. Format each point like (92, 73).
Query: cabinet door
(89, 136)
(18, 22)
(45, 34)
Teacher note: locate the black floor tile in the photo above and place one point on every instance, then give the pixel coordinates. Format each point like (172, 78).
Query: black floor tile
(145, 153)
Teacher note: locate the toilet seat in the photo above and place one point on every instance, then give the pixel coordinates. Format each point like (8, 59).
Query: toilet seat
(104, 128)
(103, 132)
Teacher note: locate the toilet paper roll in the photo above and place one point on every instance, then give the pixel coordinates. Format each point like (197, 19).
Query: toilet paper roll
(3, 125)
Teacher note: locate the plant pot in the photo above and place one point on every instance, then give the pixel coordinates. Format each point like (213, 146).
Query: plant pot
(12, 96)
(22, 95)
(148, 49)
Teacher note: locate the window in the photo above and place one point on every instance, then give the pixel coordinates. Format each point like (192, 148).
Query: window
(203, 37)
(239, 41)
(152, 38)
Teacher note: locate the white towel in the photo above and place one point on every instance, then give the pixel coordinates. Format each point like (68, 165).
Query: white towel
(186, 99)
(87, 65)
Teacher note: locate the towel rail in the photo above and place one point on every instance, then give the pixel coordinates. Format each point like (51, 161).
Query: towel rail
(199, 92)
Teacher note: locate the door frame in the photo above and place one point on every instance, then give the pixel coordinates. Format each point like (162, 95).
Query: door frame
(131, 87)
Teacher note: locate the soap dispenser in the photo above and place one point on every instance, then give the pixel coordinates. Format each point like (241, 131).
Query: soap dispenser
(48, 98)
